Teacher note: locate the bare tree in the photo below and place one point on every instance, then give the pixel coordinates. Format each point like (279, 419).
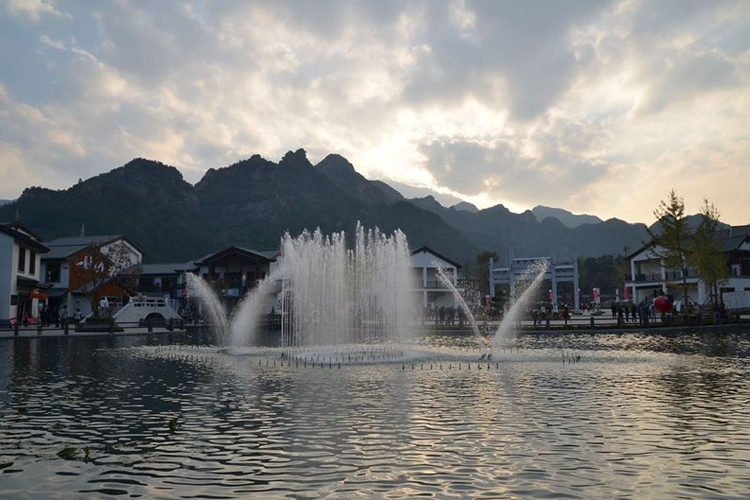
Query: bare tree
(707, 255)
(95, 269)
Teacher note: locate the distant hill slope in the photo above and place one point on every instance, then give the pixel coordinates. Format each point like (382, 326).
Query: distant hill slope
(465, 206)
(497, 228)
(145, 200)
(568, 219)
(340, 172)
(253, 202)
(693, 222)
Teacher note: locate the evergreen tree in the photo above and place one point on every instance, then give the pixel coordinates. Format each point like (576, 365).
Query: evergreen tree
(673, 239)
(482, 271)
(707, 255)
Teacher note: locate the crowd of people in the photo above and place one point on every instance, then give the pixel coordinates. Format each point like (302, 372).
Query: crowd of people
(629, 311)
(444, 315)
(548, 311)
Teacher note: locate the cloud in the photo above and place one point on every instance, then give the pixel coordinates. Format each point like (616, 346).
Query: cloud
(552, 164)
(562, 103)
(34, 9)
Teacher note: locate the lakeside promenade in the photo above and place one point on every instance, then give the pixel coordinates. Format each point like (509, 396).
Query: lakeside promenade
(577, 324)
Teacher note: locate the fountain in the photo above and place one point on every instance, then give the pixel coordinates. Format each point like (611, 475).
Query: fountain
(197, 287)
(534, 274)
(330, 295)
(445, 280)
(244, 323)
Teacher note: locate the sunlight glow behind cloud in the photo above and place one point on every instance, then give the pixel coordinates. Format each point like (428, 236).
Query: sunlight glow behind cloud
(593, 107)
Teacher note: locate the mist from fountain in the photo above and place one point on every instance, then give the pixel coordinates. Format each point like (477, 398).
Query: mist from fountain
(197, 287)
(534, 275)
(243, 326)
(446, 280)
(332, 295)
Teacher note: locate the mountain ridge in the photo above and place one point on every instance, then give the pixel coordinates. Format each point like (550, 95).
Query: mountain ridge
(254, 201)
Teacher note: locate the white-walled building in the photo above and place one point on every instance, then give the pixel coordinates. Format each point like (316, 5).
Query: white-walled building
(20, 268)
(432, 292)
(237, 270)
(650, 277)
(66, 289)
(525, 269)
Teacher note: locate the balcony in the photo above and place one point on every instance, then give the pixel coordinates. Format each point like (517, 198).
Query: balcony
(668, 276)
(432, 284)
(648, 277)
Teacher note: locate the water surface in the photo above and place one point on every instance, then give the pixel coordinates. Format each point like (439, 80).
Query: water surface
(637, 417)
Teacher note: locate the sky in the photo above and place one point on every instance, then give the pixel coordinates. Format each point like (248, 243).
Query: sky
(597, 107)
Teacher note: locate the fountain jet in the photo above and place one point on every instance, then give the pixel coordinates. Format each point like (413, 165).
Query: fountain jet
(330, 294)
(533, 274)
(445, 280)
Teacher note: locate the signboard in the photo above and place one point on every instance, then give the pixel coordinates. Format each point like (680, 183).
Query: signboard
(38, 295)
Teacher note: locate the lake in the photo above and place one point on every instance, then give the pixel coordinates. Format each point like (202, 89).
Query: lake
(607, 416)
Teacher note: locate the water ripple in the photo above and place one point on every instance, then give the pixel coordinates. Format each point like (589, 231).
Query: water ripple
(638, 417)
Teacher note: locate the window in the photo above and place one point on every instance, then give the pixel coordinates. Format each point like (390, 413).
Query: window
(32, 263)
(146, 284)
(22, 259)
(53, 273)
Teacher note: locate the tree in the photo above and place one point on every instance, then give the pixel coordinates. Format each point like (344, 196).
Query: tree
(482, 271)
(622, 269)
(707, 255)
(606, 272)
(673, 239)
(95, 269)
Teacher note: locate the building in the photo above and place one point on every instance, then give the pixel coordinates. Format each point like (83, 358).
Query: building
(235, 270)
(167, 281)
(20, 266)
(524, 270)
(650, 277)
(232, 271)
(433, 292)
(69, 288)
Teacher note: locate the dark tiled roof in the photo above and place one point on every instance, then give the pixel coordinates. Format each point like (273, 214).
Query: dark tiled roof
(268, 254)
(62, 252)
(433, 252)
(61, 248)
(171, 268)
(732, 243)
(262, 255)
(81, 240)
(23, 238)
(735, 231)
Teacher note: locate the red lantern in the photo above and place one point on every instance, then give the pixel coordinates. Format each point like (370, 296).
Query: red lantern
(662, 304)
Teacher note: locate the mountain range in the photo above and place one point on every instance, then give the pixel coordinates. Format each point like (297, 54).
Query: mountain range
(567, 218)
(253, 202)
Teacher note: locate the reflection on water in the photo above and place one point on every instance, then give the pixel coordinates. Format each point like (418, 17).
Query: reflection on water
(638, 417)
